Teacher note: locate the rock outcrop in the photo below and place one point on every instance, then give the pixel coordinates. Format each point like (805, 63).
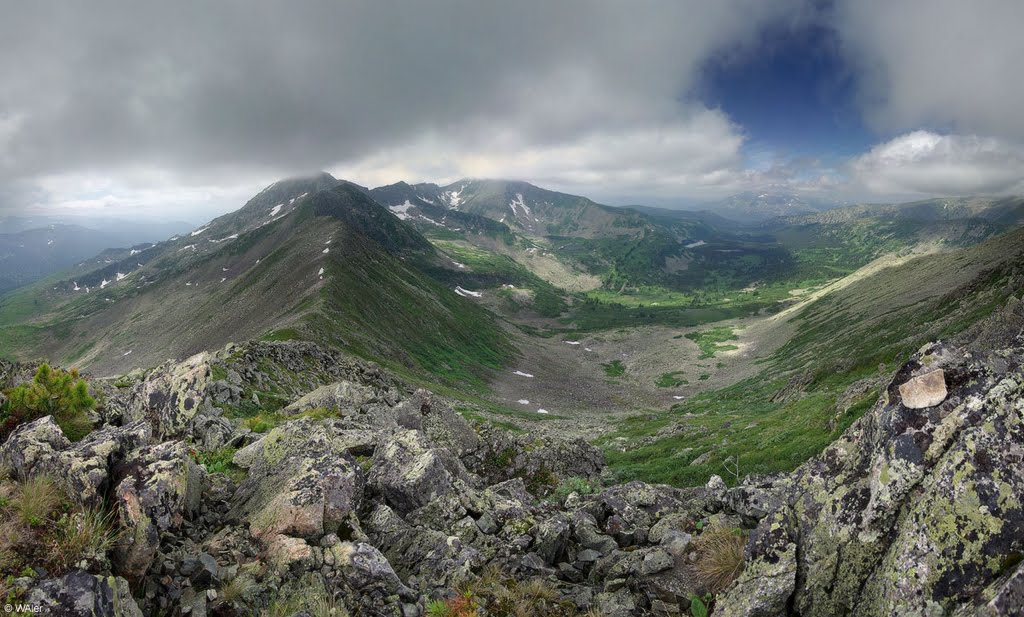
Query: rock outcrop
(918, 509)
(381, 498)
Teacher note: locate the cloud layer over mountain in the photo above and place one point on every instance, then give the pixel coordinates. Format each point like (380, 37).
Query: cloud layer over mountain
(189, 105)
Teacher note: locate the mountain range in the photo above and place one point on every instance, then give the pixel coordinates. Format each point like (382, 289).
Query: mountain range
(388, 388)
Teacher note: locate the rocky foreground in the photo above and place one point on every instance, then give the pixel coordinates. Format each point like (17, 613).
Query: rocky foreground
(379, 499)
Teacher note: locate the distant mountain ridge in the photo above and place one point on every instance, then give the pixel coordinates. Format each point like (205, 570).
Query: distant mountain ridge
(519, 205)
(757, 206)
(32, 248)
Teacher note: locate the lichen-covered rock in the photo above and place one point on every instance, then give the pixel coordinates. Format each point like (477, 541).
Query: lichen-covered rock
(173, 395)
(540, 461)
(1004, 597)
(550, 538)
(302, 480)
(407, 472)
(287, 553)
(912, 510)
(211, 432)
(769, 578)
(363, 567)
(33, 448)
(80, 594)
(443, 427)
(344, 396)
(82, 469)
(429, 557)
(160, 487)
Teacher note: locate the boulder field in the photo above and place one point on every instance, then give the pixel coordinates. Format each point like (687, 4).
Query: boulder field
(382, 499)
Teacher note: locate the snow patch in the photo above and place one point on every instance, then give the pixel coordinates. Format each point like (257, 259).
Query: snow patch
(465, 293)
(77, 288)
(430, 220)
(104, 283)
(185, 248)
(458, 265)
(522, 374)
(200, 230)
(325, 251)
(517, 203)
(454, 198)
(542, 410)
(321, 272)
(572, 342)
(121, 276)
(275, 210)
(49, 243)
(523, 401)
(401, 211)
(224, 279)
(678, 398)
(128, 353)
(694, 245)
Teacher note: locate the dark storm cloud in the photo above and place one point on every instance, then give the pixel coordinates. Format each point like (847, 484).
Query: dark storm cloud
(300, 85)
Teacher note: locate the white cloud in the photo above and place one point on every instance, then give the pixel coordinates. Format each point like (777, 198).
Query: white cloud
(143, 194)
(923, 162)
(694, 152)
(937, 63)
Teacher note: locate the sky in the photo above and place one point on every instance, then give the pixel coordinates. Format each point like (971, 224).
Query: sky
(183, 110)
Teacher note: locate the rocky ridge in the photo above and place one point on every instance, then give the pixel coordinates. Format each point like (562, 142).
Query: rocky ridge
(382, 499)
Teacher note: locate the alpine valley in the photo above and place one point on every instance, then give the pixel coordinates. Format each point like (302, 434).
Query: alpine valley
(492, 398)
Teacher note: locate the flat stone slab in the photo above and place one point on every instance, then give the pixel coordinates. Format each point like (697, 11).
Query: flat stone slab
(923, 391)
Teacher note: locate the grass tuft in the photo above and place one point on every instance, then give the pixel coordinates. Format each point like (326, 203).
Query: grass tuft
(719, 557)
(36, 500)
(86, 534)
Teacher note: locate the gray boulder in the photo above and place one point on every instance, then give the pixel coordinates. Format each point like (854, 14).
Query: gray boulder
(80, 594)
(160, 487)
(407, 472)
(303, 480)
(82, 469)
(345, 396)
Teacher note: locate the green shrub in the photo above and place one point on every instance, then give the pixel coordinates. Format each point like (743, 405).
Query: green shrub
(671, 380)
(54, 392)
(615, 368)
(221, 461)
(571, 485)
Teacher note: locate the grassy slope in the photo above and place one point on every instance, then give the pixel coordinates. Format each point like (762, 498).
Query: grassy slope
(842, 338)
(381, 308)
(371, 301)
